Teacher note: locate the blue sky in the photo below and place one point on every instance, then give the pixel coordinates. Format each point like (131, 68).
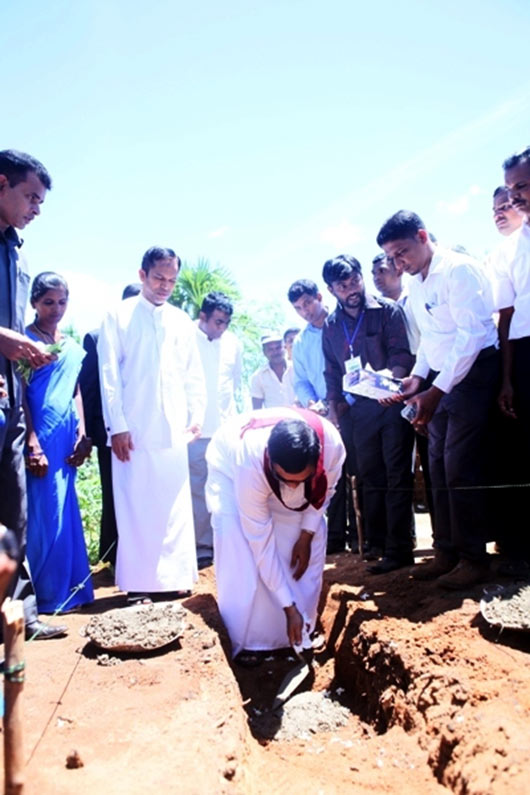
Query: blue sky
(266, 137)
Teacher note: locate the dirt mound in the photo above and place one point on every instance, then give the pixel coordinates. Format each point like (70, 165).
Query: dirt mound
(303, 716)
(138, 628)
(409, 655)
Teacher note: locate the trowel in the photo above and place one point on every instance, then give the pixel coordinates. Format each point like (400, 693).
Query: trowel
(297, 675)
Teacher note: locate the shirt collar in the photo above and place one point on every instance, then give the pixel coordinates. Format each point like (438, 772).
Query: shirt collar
(436, 261)
(10, 236)
(150, 306)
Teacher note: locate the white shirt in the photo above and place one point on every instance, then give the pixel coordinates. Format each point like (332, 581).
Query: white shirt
(240, 458)
(453, 309)
(152, 383)
(221, 362)
(265, 385)
(511, 285)
(413, 332)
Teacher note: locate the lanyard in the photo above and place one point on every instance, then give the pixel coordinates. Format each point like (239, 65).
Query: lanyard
(351, 340)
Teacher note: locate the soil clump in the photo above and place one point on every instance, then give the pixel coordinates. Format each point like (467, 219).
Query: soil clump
(138, 627)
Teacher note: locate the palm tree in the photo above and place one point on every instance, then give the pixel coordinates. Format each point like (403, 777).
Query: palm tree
(195, 281)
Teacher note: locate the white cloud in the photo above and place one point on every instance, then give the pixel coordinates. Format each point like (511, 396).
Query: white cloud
(222, 230)
(342, 235)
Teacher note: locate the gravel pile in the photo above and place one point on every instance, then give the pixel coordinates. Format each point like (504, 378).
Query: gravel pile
(510, 608)
(303, 716)
(137, 628)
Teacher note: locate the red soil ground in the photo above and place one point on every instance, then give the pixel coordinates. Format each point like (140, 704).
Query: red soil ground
(440, 702)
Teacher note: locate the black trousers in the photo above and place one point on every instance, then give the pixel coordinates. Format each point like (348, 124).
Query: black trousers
(13, 504)
(383, 442)
(458, 460)
(108, 529)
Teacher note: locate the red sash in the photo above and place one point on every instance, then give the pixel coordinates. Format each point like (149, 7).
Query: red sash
(316, 487)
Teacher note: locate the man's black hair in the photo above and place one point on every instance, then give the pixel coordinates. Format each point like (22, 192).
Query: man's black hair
(292, 330)
(401, 225)
(154, 254)
(131, 290)
(502, 190)
(340, 268)
(47, 280)
(301, 287)
(293, 445)
(518, 159)
(379, 258)
(216, 300)
(15, 166)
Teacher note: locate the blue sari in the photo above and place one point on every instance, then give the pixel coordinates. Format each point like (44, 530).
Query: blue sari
(56, 546)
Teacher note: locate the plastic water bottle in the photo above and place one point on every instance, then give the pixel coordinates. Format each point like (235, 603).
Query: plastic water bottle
(2, 419)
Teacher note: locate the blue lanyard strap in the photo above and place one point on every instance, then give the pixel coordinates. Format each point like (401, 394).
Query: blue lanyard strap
(351, 340)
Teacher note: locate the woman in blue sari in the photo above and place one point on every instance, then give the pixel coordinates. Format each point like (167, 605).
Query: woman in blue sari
(56, 445)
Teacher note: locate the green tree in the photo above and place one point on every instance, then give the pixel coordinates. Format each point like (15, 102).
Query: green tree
(195, 281)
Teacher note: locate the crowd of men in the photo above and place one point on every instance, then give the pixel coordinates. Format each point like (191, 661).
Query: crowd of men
(188, 482)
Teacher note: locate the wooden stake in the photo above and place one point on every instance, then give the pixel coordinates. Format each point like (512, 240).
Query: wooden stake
(13, 616)
(358, 517)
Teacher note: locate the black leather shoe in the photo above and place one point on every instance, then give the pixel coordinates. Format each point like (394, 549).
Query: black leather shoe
(372, 553)
(38, 630)
(386, 565)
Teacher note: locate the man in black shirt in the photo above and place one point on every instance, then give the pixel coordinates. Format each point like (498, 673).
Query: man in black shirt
(23, 186)
(366, 330)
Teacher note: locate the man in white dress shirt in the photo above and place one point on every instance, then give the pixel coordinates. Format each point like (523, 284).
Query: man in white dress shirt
(512, 299)
(153, 397)
(273, 384)
(220, 353)
(507, 219)
(451, 388)
(271, 474)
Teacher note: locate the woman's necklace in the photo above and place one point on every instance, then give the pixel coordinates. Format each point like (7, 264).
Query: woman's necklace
(46, 336)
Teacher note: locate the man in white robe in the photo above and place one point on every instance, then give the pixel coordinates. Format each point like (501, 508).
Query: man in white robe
(271, 474)
(153, 396)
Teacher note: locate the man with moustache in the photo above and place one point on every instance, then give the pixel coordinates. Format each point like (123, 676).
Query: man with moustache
(451, 387)
(153, 397)
(24, 183)
(366, 330)
(512, 299)
(507, 219)
(273, 385)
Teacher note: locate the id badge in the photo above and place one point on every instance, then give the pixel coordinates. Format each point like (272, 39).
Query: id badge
(353, 365)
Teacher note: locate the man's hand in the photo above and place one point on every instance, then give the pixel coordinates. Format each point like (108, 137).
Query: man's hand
(3, 392)
(426, 404)
(295, 625)
(301, 554)
(82, 451)
(122, 445)
(193, 432)
(505, 400)
(337, 409)
(409, 386)
(319, 407)
(15, 347)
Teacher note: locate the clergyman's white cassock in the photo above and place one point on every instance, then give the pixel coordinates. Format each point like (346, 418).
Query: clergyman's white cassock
(254, 533)
(152, 385)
